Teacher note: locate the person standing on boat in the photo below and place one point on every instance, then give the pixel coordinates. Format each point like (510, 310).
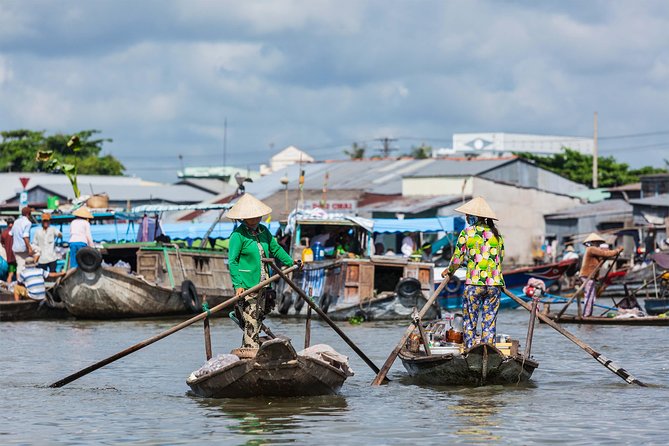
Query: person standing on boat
(80, 233)
(249, 244)
(6, 240)
(21, 239)
(594, 253)
(480, 248)
(45, 239)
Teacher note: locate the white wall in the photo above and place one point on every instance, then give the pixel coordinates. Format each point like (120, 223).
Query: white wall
(521, 215)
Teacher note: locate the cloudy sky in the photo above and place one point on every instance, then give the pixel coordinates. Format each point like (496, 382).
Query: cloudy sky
(160, 77)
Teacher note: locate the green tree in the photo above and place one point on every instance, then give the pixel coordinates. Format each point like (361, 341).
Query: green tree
(578, 167)
(356, 152)
(421, 152)
(18, 149)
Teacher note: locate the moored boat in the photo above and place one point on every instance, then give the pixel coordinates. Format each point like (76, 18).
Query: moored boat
(276, 370)
(28, 309)
(158, 281)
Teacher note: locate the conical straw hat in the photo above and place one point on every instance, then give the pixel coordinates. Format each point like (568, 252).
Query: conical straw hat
(248, 206)
(82, 212)
(594, 237)
(477, 206)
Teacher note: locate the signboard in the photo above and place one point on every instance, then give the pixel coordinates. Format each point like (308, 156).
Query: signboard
(23, 199)
(340, 206)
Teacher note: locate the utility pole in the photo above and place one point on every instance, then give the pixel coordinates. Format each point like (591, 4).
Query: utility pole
(595, 155)
(386, 146)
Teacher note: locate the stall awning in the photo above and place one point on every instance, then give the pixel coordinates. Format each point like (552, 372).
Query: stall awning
(435, 224)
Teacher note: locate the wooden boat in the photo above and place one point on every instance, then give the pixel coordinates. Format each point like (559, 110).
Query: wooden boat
(481, 365)
(162, 280)
(596, 320)
(28, 309)
(276, 370)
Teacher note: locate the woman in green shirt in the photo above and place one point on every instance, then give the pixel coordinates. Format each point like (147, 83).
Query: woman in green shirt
(480, 249)
(249, 244)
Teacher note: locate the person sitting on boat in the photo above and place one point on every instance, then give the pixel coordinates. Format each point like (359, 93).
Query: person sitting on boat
(31, 281)
(80, 233)
(594, 253)
(480, 248)
(250, 242)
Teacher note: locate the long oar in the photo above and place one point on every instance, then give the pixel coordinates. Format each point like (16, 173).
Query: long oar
(158, 337)
(381, 375)
(325, 317)
(624, 374)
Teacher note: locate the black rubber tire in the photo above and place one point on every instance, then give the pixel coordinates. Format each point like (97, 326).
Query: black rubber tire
(284, 303)
(189, 297)
(89, 259)
(453, 284)
(325, 302)
(408, 287)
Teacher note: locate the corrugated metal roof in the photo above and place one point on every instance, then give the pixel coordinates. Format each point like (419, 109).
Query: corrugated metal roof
(411, 204)
(605, 207)
(657, 200)
(459, 167)
(167, 193)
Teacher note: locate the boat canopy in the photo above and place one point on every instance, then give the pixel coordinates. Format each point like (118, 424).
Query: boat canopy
(127, 231)
(435, 224)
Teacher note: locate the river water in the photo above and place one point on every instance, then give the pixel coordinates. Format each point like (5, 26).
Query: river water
(143, 398)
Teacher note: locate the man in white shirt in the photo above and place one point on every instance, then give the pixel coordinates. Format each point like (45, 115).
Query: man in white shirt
(21, 239)
(408, 245)
(45, 240)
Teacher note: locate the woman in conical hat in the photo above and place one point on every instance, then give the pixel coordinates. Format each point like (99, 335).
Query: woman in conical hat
(249, 243)
(480, 248)
(594, 253)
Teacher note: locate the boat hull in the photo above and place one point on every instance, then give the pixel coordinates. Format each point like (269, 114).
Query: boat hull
(26, 310)
(277, 370)
(639, 321)
(481, 365)
(108, 293)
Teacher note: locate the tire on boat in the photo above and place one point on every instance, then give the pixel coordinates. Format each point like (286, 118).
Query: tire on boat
(453, 284)
(89, 259)
(408, 291)
(189, 296)
(285, 301)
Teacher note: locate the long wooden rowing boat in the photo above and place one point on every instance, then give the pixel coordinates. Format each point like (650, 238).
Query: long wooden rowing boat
(28, 309)
(481, 365)
(595, 320)
(276, 370)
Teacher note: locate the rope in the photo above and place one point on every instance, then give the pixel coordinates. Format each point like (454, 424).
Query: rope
(205, 308)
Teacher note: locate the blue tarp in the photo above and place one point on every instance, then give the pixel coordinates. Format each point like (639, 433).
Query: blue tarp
(436, 224)
(179, 231)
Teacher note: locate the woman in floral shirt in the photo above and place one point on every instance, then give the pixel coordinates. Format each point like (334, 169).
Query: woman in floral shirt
(480, 249)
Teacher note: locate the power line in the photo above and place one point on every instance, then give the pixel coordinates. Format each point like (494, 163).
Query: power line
(386, 146)
(636, 135)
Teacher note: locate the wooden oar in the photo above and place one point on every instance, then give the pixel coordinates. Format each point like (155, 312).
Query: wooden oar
(381, 375)
(325, 317)
(578, 290)
(164, 334)
(624, 374)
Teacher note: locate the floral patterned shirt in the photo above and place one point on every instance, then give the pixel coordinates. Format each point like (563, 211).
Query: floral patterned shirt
(483, 253)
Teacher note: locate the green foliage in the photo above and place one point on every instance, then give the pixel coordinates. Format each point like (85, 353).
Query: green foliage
(356, 152)
(27, 151)
(578, 167)
(421, 152)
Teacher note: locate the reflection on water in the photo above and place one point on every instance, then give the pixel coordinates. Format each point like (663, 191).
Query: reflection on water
(274, 420)
(477, 415)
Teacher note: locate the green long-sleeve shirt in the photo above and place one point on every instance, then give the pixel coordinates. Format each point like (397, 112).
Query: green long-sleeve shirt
(244, 257)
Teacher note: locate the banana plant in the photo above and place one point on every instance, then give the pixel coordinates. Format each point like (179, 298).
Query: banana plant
(53, 164)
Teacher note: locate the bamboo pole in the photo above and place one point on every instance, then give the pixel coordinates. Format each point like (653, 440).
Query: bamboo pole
(307, 328)
(624, 374)
(325, 317)
(381, 375)
(68, 379)
(530, 328)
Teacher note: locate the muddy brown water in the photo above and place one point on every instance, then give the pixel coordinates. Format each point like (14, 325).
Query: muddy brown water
(143, 398)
